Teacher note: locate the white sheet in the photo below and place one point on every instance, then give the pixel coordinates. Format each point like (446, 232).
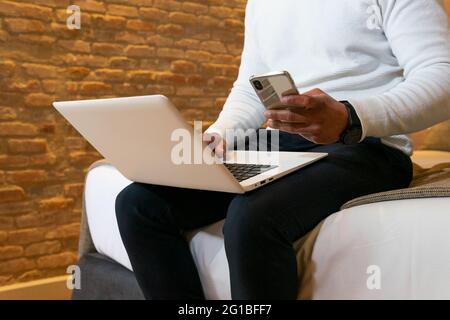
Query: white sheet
(408, 240)
(103, 184)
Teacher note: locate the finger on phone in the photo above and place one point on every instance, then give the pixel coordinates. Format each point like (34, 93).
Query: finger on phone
(287, 126)
(300, 100)
(285, 115)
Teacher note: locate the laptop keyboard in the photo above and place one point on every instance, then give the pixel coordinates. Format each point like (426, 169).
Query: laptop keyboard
(246, 171)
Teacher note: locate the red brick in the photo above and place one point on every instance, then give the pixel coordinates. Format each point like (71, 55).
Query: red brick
(38, 39)
(108, 22)
(46, 127)
(14, 208)
(110, 75)
(91, 5)
(41, 71)
(170, 78)
(141, 76)
(6, 280)
(17, 129)
(24, 25)
(173, 30)
(170, 53)
(129, 37)
(107, 48)
(24, 86)
(77, 72)
(221, 12)
(7, 67)
(195, 8)
(7, 113)
(183, 66)
(75, 45)
(183, 18)
(51, 86)
(122, 62)
(54, 204)
(4, 36)
(15, 9)
(120, 10)
(82, 158)
(63, 259)
(75, 143)
(30, 275)
(6, 223)
(10, 252)
(27, 145)
(208, 22)
(188, 43)
(66, 231)
(189, 91)
(25, 236)
(74, 190)
(233, 24)
(140, 51)
(153, 14)
(35, 219)
(41, 248)
(26, 176)
(39, 100)
(16, 265)
(45, 159)
(201, 56)
(13, 161)
(86, 60)
(160, 41)
(220, 81)
(140, 26)
(202, 102)
(170, 5)
(214, 46)
(94, 88)
(11, 193)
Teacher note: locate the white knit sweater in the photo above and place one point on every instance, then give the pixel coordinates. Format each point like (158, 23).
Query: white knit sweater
(389, 58)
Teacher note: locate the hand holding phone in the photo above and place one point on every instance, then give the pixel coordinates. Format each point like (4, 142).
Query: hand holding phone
(271, 87)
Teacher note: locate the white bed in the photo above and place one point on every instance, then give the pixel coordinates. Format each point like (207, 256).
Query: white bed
(407, 242)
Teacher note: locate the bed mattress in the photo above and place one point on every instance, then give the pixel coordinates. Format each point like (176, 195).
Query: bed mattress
(388, 250)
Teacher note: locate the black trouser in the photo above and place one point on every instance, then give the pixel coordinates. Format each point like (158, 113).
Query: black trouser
(260, 226)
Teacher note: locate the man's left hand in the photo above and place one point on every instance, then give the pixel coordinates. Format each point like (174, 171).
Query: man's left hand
(314, 115)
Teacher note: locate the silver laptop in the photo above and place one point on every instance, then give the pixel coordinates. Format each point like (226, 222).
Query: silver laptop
(138, 136)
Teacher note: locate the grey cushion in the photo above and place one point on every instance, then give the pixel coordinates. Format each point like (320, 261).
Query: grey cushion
(105, 279)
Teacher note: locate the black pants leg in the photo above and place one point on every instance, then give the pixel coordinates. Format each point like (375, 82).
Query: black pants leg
(260, 226)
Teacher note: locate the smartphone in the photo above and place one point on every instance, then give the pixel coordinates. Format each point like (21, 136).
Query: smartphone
(271, 87)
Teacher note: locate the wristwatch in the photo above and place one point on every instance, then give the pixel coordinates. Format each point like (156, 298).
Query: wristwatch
(353, 133)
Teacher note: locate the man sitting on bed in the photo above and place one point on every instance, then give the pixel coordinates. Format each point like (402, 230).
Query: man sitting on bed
(370, 71)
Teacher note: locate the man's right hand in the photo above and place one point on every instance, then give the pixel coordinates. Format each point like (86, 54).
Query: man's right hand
(217, 143)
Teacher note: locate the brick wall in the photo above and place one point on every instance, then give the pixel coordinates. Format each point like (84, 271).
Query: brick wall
(187, 50)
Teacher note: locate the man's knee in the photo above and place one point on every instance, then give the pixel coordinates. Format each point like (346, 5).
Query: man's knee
(136, 203)
(246, 224)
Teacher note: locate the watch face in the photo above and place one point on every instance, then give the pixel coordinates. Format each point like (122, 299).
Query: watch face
(353, 136)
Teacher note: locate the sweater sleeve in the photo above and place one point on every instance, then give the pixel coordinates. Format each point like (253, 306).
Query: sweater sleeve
(419, 37)
(242, 109)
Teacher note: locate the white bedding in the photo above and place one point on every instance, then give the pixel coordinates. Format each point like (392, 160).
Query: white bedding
(103, 184)
(407, 241)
